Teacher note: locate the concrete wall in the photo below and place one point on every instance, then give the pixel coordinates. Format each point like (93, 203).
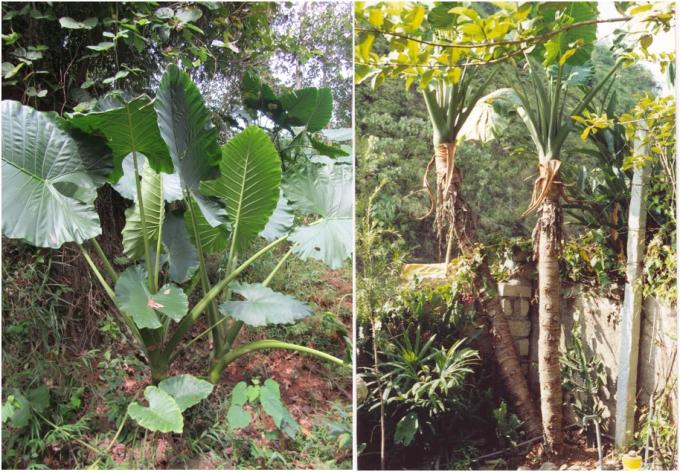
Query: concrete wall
(599, 319)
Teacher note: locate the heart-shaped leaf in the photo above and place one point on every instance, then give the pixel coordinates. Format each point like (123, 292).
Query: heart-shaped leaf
(49, 179)
(263, 306)
(162, 415)
(171, 301)
(280, 222)
(134, 299)
(270, 399)
(186, 389)
(191, 138)
(172, 191)
(324, 190)
(127, 126)
(309, 107)
(250, 175)
(237, 417)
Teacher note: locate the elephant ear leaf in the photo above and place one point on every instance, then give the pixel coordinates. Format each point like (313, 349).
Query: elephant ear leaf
(185, 126)
(309, 107)
(162, 415)
(325, 191)
(263, 306)
(280, 222)
(49, 180)
(134, 299)
(250, 175)
(128, 127)
(186, 389)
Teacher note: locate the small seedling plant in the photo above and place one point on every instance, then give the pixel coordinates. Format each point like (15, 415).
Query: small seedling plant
(191, 198)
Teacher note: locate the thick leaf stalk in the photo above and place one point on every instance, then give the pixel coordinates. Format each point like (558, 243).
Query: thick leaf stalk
(234, 354)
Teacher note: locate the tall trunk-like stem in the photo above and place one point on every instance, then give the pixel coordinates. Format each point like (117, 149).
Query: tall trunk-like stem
(548, 229)
(455, 211)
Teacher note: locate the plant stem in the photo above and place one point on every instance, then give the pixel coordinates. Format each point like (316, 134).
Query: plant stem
(115, 437)
(196, 338)
(192, 285)
(107, 265)
(157, 265)
(140, 202)
(214, 292)
(100, 277)
(112, 295)
(205, 282)
(234, 354)
(233, 331)
(278, 266)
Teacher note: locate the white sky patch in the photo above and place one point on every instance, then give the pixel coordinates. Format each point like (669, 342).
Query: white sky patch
(664, 41)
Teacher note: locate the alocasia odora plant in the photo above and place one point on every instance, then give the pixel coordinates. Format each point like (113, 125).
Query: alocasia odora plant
(192, 198)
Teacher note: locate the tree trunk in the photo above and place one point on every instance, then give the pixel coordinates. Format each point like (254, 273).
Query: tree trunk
(452, 209)
(547, 240)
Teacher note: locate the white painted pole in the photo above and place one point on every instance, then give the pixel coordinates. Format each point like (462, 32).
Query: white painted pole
(631, 313)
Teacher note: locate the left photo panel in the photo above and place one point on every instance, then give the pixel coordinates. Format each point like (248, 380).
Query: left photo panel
(177, 235)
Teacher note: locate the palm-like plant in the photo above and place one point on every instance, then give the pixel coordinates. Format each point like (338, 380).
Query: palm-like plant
(422, 382)
(543, 109)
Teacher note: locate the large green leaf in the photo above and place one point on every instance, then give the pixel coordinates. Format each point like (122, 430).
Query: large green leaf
(49, 180)
(133, 232)
(309, 107)
(185, 126)
(213, 239)
(162, 415)
(250, 175)
(182, 255)
(489, 117)
(581, 39)
(326, 191)
(127, 127)
(132, 298)
(186, 389)
(280, 222)
(172, 191)
(171, 301)
(263, 306)
(136, 301)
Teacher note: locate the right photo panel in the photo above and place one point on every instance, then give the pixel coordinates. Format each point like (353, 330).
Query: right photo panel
(516, 235)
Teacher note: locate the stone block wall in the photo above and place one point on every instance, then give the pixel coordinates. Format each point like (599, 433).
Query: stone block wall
(516, 302)
(598, 318)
